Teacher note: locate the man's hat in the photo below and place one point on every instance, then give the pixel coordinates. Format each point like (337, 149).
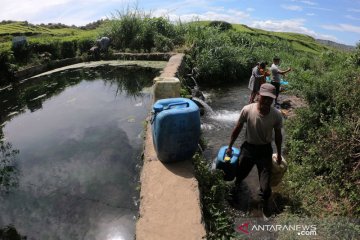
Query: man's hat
(267, 90)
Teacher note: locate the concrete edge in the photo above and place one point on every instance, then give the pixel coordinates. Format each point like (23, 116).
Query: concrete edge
(170, 206)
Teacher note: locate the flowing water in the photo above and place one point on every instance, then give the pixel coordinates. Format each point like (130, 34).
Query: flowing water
(226, 103)
(72, 142)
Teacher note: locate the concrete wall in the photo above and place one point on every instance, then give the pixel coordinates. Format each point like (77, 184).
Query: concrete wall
(169, 197)
(31, 71)
(35, 70)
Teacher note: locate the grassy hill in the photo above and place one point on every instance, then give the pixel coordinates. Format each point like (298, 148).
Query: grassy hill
(60, 32)
(41, 34)
(299, 42)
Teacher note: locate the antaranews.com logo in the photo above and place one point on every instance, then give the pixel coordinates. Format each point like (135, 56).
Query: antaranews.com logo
(257, 227)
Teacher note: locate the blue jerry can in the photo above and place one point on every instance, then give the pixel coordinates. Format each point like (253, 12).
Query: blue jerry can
(175, 129)
(228, 164)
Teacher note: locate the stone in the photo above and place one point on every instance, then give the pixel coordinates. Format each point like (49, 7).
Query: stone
(166, 87)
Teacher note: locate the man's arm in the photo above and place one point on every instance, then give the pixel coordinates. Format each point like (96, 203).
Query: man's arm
(278, 142)
(284, 71)
(234, 136)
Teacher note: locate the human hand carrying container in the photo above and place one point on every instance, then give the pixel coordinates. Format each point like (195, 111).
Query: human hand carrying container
(277, 170)
(228, 160)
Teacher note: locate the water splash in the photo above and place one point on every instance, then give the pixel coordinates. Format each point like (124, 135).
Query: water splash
(226, 116)
(208, 109)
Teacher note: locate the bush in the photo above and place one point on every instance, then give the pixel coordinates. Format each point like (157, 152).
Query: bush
(215, 57)
(84, 45)
(135, 30)
(355, 58)
(323, 145)
(68, 49)
(21, 51)
(222, 25)
(162, 43)
(51, 47)
(6, 68)
(213, 190)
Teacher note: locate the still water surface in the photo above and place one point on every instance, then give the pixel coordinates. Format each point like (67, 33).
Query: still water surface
(79, 139)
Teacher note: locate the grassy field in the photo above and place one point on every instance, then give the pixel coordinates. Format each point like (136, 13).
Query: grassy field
(299, 42)
(40, 34)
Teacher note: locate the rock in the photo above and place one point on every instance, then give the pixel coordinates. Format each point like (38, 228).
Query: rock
(103, 43)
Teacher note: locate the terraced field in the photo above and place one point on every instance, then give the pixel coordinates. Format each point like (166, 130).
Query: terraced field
(39, 34)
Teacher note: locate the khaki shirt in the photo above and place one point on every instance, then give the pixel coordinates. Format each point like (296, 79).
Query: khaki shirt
(259, 128)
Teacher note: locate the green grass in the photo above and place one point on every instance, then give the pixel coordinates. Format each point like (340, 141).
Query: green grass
(19, 28)
(39, 34)
(300, 42)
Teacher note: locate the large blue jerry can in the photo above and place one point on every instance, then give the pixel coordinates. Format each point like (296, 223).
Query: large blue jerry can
(175, 129)
(228, 164)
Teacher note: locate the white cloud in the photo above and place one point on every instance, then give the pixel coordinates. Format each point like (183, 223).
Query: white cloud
(69, 12)
(353, 10)
(311, 14)
(290, 25)
(342, 28)
(352, 17)
(250, 9)
(305, 2)
(309, 3)
(13, 9)
(232, 16)
(292, 7)
(322, 9)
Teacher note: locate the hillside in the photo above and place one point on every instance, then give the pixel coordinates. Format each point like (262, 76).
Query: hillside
(299, 42)
(336, 45)
(41, 33)
(60, 32)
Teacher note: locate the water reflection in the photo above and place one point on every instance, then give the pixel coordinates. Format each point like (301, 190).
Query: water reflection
(8, 166)
(30, 94)
(79, 136)
(10, 233)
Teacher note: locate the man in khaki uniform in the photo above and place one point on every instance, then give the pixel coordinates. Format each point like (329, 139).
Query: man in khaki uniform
(261, 119)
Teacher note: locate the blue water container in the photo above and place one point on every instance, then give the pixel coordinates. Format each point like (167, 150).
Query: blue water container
(175, 129)
(229, 166)
(282, 81)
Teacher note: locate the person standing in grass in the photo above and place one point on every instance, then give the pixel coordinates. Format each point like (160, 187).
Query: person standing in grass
(257, 75)
(261, 119)
(276, 76)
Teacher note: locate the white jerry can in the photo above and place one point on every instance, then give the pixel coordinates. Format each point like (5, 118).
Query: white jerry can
(278, 170)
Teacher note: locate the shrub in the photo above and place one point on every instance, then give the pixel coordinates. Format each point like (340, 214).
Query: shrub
(68, 49)
(6, 68)
(51, 47)
(84, 45)
(162, 43)
(213, 190)
(222, 25)
(21, 51)
(323, 145)
(126, 29)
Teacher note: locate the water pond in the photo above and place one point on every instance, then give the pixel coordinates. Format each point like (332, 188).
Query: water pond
(71, 145)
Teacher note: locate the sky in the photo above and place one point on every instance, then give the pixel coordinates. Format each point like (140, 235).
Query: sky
(335, 20)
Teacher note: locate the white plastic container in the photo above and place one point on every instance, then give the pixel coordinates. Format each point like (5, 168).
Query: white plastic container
(278, 170)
